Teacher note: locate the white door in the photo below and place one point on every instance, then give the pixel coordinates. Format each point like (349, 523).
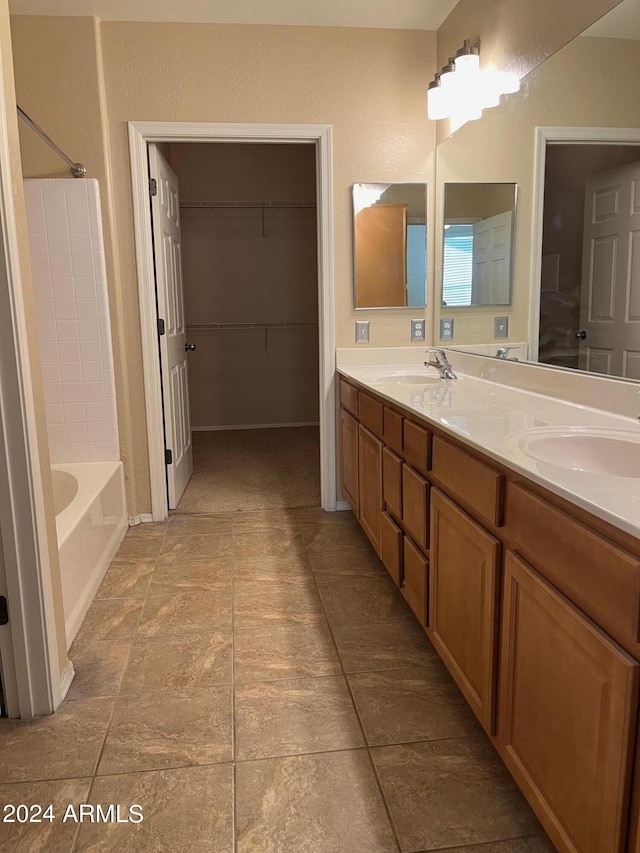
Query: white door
(165, 211)
(492, 260)
(609, 332)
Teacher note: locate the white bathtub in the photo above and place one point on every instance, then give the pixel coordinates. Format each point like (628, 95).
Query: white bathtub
(91, 521)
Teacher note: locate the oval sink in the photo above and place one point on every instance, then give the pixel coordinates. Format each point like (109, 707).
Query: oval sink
(615, 453)
(413, 376)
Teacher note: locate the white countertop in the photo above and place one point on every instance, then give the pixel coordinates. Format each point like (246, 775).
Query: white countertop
(490, 416)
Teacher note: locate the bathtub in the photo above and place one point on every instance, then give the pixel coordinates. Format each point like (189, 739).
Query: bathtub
(91, 521)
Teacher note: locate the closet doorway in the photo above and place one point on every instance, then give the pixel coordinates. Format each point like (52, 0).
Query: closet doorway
(253, 245)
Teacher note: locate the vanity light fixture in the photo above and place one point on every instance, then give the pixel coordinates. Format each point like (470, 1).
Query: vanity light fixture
(461, 91)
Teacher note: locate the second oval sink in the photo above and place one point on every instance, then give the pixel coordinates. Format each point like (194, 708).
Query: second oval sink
(615, 453)
(412, 376)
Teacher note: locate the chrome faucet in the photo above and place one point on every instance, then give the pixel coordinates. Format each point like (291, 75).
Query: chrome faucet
(441, 363)
(503, 352)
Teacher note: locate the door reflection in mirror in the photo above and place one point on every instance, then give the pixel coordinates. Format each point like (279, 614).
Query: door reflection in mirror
(390, 245)
(478, 234)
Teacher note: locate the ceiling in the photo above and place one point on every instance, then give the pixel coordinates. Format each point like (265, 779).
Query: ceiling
(381, 14)
(621, 22)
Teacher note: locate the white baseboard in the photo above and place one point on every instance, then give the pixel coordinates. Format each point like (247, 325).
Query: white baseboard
(340, 505)
(66, 678)
(143, 518)
(250, 426)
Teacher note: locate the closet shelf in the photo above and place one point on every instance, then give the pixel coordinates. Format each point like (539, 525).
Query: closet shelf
(248, 204)
(214, 327)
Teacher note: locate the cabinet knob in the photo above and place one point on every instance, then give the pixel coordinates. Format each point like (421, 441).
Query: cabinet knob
(190, 347)
(581, 335)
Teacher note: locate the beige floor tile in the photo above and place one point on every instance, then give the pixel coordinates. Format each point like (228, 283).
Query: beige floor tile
(148, 530)
(291, 567)
(295, 716)
(171, 613)
(127, 579)
(63, 745)
(365, 645)
(50, 836)
(110, 619)
(314, 515)
(175, 662)
(284, 543)
(181, 549)
(139, 547)
(416, 704)
(346, 564)
(284, 651)
(327, 803)
(194, 574)
(267, 523)
(325, 537)
(363, 600)
(216, 524)
(536, 844)
(258, 606)
(169, 729)
(99, 666)
(450, 793)
(188, 810)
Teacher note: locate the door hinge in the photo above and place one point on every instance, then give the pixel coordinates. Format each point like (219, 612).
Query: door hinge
(153, 187)
(168, 457)
(161, 327)
(4, 611)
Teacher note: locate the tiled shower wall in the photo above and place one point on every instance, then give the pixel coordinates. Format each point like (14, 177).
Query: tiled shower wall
(69, 280)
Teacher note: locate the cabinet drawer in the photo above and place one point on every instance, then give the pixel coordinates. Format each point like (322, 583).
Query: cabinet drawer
(348, 397)
(392, 482)
(370, 413)
(415, 506)
(567, 712)
(417, 446)
(349, 475)
(391, 549)
(392, 425)
(598, 576)
(468, 479)
(415, 582)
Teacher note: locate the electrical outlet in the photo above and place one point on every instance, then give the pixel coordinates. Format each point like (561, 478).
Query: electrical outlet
(500, 327)
(362, 331)
(417, 330)
(446, 329)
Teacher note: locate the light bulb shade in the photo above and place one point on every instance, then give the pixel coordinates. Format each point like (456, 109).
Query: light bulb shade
(467, 61)
(509, 83)
(448, 75)
(437, 102)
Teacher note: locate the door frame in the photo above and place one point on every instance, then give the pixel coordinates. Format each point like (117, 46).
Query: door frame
(559, 136)
(143, 132)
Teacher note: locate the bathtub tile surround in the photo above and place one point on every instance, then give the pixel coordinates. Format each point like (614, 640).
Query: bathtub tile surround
(296, 708)
(70, 289)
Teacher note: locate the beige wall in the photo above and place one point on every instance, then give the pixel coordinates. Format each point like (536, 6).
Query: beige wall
(250, 266)
(578, 86)
(34, 356)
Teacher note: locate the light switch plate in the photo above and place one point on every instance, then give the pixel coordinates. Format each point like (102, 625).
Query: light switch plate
(500, 327)
(446, 328)
(418, 330)
(362, 331)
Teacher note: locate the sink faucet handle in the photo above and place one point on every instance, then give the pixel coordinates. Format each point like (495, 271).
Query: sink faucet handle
(440, 362)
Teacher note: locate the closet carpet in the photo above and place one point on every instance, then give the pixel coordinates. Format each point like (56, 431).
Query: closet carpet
(252, 469)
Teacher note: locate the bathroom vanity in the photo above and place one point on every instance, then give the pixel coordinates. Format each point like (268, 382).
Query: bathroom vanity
(523, 569)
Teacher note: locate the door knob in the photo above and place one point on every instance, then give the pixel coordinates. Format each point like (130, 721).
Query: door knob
(190, 347)
(581, 335)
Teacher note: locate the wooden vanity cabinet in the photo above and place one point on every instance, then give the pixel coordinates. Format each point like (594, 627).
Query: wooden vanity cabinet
(568, 704)
(463, 603)
(349, 473)
(370, 486)
(532, 604)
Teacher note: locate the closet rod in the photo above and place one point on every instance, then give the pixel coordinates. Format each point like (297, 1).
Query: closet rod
(77, 169)
(310, 205)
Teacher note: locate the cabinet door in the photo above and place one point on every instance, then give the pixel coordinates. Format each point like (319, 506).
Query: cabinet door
(415, 506)
(349, 459)
(463, 588)
(370, 485)
(568, 702)
(414, 585)
(391, 548)
(392, 482)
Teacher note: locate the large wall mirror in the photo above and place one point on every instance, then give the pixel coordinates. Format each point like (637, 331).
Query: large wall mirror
(570, 140)
(390, 245)
(477, 252)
